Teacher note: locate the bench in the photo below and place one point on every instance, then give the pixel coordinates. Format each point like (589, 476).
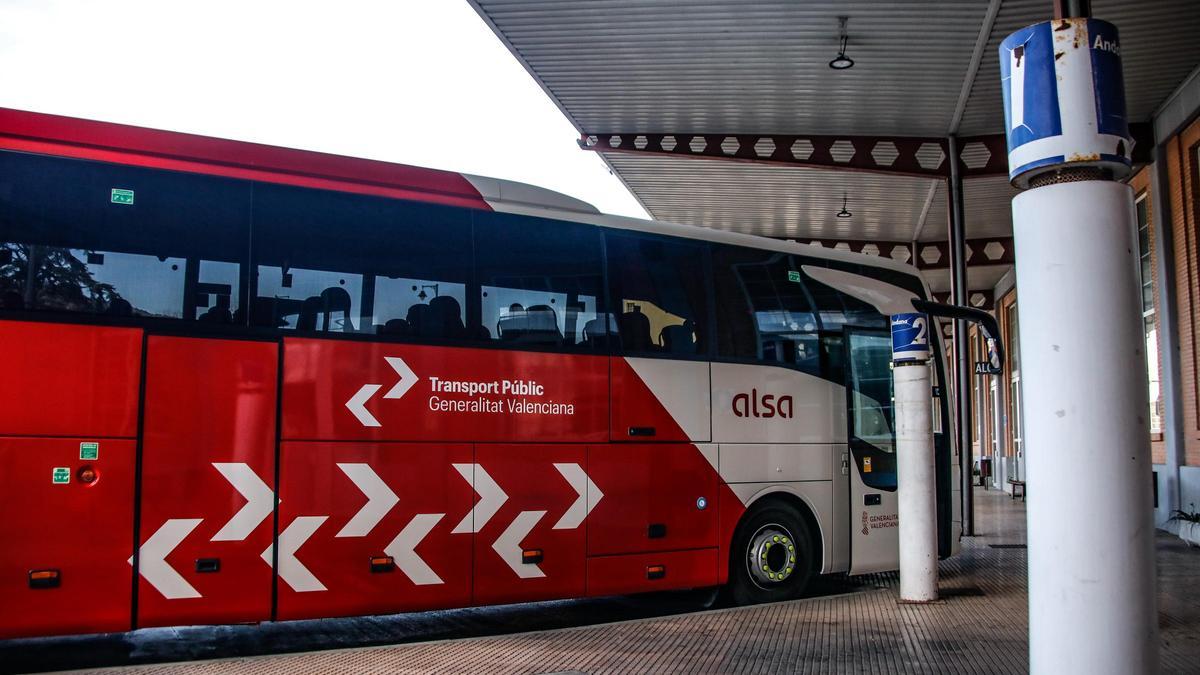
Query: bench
(1017, 484)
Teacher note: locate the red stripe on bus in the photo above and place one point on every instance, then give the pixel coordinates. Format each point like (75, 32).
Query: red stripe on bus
(102, 141)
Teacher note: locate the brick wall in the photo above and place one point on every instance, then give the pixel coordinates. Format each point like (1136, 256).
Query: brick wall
(1182, 176)
(1141, 188)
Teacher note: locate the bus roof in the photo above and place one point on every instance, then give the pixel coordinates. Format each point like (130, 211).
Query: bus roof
(57, 135)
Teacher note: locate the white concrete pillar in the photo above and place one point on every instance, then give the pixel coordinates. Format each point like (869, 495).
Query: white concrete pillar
(916, 476)
(1083, 371)
(917, 483)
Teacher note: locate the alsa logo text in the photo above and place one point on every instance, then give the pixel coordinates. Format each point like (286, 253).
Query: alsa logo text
(766, 405)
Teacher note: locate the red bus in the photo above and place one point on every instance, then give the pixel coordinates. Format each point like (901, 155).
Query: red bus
(245, 383)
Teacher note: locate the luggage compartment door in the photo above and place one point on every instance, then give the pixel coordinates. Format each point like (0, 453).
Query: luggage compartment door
(208, 481)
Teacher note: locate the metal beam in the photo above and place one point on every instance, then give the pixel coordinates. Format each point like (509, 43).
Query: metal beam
(962, 357)
(983, 298)
(925, 157)
(930, 255)
(937, 255)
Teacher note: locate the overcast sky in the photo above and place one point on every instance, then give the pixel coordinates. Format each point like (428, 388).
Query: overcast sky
(422, 82)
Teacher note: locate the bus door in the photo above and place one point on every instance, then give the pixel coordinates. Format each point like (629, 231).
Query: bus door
(207, 481)
(874, 520)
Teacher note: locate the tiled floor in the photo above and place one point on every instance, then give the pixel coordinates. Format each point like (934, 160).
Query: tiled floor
(979, 627)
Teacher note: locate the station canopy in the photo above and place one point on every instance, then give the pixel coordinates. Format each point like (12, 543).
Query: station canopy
(728, 114)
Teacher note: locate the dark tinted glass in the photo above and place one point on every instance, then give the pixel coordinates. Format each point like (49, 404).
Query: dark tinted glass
(89, 237)
(764, 312)
(835, 309)
(660, 293)
(346, 263)
(541, 282)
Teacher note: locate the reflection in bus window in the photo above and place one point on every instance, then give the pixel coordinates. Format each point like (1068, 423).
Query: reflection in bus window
(218, 292)
(401, 268)
(534, 317)
(173, 254)
(660, 290)
(420, 307)
(767, 314)
(540, 282)
(307, 299)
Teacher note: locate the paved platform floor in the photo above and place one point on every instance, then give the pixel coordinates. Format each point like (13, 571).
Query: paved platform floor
(979, 627)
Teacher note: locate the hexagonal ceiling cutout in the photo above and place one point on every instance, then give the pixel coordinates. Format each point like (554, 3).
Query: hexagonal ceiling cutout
(841, 246)
(802, 149)
(901, 253)
(697, 144)
(870, 249)
(977, 299)
(730, 145)
(994, 250)
(842, 151)
(976, 155)
(669, 143)
(615, 141)
(930, 156)
(885, 153)
(764, 147)
(639, 142)
(930, 254)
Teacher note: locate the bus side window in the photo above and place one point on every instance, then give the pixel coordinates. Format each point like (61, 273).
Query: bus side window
(660, 294)
(172, 247)
(345, 263)
(541, 282)
(765, 311)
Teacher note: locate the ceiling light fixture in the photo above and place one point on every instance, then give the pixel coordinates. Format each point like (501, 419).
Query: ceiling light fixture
(841, 61)
(844, 213)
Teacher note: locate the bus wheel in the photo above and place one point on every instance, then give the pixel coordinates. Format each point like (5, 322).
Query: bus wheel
(771, 558)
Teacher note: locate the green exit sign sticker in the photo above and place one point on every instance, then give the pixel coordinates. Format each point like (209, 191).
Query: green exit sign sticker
(89, 451)
(793, 276)
(61, 475)
(122, 196)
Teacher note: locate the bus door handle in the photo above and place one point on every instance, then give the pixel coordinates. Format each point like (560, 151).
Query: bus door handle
(642, 431)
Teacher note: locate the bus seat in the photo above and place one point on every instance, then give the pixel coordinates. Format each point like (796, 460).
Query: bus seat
(445, 315)
(218, 315)
(635, 332)
(418, 316)
(599, 332)
(394, 327)
(679, 339)
(333, 300)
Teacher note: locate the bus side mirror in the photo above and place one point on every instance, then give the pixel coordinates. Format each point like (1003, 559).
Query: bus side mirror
(986, 322)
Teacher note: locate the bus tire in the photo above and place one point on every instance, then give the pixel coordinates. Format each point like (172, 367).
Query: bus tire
(772, 555)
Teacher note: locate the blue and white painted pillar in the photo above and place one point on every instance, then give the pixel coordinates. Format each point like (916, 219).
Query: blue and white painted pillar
(1083, 376)
(915, 468)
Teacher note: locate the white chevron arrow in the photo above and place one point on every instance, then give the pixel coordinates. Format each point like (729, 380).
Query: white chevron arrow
(258, 501)
(508, 545)
(589, 496)
(380, 500)
(152, 564)
(358, 404)
(403, 549)
(291, 569)
(491, 498)
(407, 377)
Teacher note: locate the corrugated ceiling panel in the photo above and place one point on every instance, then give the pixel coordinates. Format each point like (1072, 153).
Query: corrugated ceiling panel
(1159, 47)
(988, 207)
(775, 201)
(752, 66)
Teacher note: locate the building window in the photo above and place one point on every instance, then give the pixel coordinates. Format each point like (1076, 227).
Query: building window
(1149, 332)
